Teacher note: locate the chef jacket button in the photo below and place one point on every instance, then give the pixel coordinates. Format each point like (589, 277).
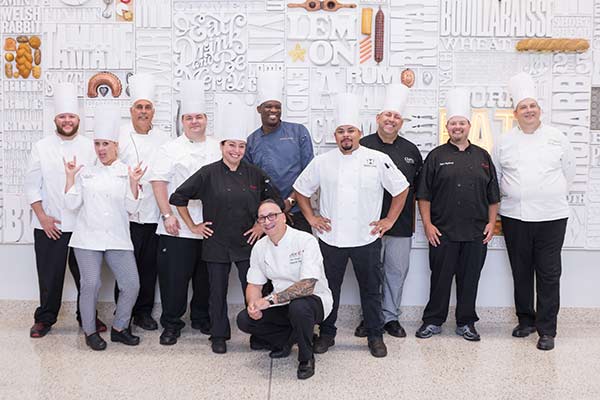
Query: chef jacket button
(458, 185)
(458, 203)
(229, 190)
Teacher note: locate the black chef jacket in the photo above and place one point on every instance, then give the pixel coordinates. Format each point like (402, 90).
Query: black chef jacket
(230, 201)
(460, 186)
(408, 159)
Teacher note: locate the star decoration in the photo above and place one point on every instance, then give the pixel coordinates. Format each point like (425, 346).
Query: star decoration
(297, 53)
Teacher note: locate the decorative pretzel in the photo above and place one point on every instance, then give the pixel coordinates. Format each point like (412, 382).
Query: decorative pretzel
(556, 45)
(325, 5)
(104, 78)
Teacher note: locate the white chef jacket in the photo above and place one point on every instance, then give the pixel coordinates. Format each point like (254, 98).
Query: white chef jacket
(133, 148)
(45, 177)
(175, 162)
(534, 171)
(104, 198)
(351, 192)
(297, 256)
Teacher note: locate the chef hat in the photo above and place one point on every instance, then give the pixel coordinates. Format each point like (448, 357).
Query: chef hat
(107, 120)
(348, 110)
(192, 97)
(521, 87)
(270, 86)
(458, 103)
(396, 97)
(65, 99)
(141, 87)
(232, 120)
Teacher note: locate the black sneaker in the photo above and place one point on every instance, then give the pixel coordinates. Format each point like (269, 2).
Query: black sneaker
(468, 332)
(428, 330)
(95, 342)
(545, 342)
(377, 347)
(283, 352)
(39, 330)
(124, 337)
(169, 337)
(146, 322)
(218, 345)
(306, 369)
(360, 330)
(395, 329)
(323, 343)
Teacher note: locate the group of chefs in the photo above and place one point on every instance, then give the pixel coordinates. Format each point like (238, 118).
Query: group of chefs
(185, 209)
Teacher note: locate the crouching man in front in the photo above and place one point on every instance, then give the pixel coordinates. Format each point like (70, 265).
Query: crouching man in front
(301, 298)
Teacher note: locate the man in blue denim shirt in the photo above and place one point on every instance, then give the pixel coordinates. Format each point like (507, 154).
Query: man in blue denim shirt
(282, 149)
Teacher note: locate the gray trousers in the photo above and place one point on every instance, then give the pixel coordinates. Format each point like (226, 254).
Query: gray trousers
(395, 256)
(122, 264)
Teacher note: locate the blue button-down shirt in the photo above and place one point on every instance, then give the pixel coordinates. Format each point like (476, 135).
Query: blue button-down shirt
(282, 154)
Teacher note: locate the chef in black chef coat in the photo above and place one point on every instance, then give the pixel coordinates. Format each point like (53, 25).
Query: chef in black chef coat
(230, 190)
(458, 199)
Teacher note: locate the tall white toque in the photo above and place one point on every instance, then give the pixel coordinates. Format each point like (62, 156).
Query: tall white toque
(396, 98)
(107, 120)
(270, 86)
(65, 99)
(141, 87)
(458, 104)
(348, 110)
(521, 87)
(192, 97)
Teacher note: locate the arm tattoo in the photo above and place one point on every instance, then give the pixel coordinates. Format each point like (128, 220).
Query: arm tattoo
(302, 288)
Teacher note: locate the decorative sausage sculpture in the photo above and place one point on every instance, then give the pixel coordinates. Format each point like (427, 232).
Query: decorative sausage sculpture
(379, 36)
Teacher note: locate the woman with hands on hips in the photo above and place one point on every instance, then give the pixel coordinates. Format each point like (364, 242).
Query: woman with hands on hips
(230, 190)
(105, 194)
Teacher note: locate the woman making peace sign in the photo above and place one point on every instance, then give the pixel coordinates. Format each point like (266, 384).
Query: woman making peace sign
(104, 193)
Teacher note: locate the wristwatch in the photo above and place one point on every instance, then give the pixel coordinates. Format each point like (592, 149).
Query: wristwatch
(271, 299)
(165, 216)
(292, 201)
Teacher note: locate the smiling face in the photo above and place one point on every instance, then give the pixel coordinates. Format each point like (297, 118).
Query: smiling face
(275, 227)
(194, 124)
(233, 151)
(67, 124)
(106, 150)
(142, 113)
(458, 129)
(270, 113)
(528, 114)
(347, 138)
(389, 123)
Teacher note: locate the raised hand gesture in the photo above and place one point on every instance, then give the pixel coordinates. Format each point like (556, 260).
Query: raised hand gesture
(136, 173)
(71, 167)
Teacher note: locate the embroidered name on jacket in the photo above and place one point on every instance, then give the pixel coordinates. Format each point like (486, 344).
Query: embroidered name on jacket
(296, 257)
(369, 162)
(447, 163)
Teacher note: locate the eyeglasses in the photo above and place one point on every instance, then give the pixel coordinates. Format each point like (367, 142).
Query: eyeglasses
(271, 217)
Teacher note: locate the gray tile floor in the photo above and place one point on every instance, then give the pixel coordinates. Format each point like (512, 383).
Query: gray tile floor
(60, 366)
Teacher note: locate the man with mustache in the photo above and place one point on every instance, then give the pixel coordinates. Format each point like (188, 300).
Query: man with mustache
(53, 223)
(397, 241)
(536, 166)
(458, 199)
(351, 179)
(282, 149)
(139, 141)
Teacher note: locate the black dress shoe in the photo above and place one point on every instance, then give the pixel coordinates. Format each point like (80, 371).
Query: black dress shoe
(306, 369)
(169, 337)
(259, 344)
(146, 322)
(124, 337)
(219, 346)
(282, 352)
(39, 330)
(377, 347)
(323, 343)
(545, 342)
(395, 329)
(95, 342)
(523, 330)
(202, 326)
(360, 330)
(468, 332)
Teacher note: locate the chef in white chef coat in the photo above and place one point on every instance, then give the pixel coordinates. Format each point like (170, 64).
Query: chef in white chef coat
(52, 222)
(535, 166)
(180, 250)
(139, 141)
(352, 179)
(104, 193)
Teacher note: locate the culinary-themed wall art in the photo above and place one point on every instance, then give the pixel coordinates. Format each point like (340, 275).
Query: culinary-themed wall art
(323, 48)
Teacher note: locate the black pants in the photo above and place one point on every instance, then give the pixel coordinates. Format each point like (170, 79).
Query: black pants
(299, 222)
(465, 260)
(534, 248)
(280, 325)
(368, 268)
(179, 261)
(218, 275)
(51, 261)
(145, 247)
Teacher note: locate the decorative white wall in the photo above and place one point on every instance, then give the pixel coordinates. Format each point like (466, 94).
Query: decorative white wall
(432, 45)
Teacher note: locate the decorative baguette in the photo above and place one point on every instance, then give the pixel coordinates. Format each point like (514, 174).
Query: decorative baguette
(544, 44)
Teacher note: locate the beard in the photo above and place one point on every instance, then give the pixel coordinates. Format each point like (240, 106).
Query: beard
(62, 132)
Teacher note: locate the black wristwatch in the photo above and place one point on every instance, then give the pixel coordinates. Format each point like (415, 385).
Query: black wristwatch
(271, 299)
